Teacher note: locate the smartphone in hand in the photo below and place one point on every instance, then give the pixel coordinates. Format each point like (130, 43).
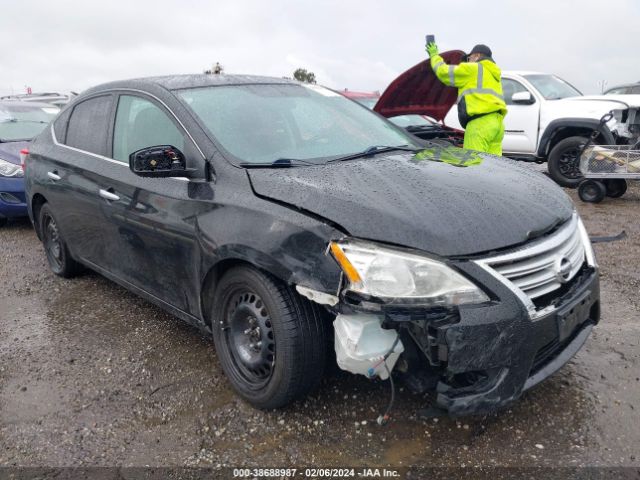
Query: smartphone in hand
(431, 39)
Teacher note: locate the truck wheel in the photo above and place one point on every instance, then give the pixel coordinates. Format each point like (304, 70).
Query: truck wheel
(563, 162)
(591, 191)
(270, 341)
(55, 247)
(616, 187)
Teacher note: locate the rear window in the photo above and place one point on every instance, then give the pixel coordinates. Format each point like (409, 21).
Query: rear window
(88, 125)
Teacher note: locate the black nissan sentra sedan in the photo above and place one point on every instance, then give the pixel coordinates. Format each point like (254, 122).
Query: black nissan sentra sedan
(299, 228)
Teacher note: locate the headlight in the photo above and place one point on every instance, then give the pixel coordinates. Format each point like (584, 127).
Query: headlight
(586, 242)
(8, 169)
(398, 277)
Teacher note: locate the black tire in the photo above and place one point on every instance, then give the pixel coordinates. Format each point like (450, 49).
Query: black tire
(55, 247)
(250, 307)
(591, 191)
(563, 163)
(616, 187)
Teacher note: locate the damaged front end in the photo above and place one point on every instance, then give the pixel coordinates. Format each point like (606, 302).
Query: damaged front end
(478, 330)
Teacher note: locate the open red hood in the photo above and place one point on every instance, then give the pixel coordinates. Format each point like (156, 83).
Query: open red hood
(418, 91)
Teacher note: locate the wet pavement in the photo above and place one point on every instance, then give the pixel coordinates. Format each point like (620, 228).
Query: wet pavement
(92, 375)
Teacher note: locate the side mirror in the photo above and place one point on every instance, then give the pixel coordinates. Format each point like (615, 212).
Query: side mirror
(159, 161)
(523, 98)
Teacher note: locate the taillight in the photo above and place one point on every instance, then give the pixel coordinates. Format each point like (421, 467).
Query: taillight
(23, 158)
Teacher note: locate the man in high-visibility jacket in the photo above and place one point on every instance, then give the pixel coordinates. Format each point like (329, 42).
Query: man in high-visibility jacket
(481, 107)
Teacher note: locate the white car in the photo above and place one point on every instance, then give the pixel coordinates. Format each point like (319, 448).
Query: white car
(549, 120)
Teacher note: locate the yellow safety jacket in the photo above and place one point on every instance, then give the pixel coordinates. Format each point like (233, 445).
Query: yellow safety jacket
(479, 87)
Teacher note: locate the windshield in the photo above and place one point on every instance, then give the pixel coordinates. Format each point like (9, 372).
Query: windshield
(23, 122)
(552, 87)
(265, 123)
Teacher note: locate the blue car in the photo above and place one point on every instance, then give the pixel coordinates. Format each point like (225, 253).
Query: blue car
(20, 122)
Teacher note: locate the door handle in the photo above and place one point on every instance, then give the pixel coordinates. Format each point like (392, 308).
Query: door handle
(107, 195)
(54, 175)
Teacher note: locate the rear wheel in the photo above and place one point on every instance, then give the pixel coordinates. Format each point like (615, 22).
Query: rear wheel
(271, 342)
(563, 162)
(591, 191)
(616, 187)
(55, 247)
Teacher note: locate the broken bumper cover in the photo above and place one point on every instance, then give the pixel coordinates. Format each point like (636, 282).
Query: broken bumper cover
(489, 354)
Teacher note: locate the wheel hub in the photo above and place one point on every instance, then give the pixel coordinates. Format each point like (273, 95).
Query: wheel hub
(569, 165)
(250, 336)
(54, 248)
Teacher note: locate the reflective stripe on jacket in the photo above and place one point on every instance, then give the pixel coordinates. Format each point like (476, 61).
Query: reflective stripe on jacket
(479, 86)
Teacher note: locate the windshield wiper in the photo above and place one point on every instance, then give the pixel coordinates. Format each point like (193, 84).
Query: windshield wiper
(279, 163)
(374, 150)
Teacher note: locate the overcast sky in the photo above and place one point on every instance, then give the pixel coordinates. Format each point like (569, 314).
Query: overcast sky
(67, 45)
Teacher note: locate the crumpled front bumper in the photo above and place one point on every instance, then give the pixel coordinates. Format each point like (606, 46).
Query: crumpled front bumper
(487, 355)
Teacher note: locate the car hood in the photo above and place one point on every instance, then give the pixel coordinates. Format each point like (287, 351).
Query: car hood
(622, 101)
(10, 151)
(418, 91)
(429, 205)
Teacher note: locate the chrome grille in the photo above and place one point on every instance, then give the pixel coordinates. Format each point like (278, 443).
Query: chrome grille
(541, 266)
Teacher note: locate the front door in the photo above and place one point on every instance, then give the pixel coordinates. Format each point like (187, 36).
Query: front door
(522, 121)
(153, 219)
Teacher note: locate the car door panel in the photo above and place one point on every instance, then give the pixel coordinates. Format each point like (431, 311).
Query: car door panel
(152, 223)
(522, 121)
(72, 190)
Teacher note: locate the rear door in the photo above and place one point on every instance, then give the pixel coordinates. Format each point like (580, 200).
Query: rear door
(72, 186)
(522, 121)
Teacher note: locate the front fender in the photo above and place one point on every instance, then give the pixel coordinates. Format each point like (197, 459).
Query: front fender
(585, 123)
(289, 245)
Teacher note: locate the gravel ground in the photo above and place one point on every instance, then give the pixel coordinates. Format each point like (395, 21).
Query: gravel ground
(91, 375)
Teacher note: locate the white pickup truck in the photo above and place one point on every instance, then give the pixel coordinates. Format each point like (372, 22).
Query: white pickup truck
(548, 120)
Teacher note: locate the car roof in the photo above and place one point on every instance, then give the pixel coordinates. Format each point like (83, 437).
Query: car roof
(20, 103)
(624, 85)
(522, 73)
(26, 96)
(177, 82)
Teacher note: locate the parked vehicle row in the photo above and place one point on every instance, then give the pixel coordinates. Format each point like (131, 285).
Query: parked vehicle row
(297, 226)
(52, 98)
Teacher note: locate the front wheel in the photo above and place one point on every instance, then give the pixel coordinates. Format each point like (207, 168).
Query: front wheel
(271, 342)
(563, 162)
(591, 191)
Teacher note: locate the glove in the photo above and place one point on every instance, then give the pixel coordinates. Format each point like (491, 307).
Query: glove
(432, 49)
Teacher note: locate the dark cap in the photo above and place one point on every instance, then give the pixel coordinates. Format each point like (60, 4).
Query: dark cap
(481, 49)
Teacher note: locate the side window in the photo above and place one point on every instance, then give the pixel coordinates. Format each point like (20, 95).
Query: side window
(60, 125)
(617, 91)
(509, 87)
(141, 124)
(88, 125)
